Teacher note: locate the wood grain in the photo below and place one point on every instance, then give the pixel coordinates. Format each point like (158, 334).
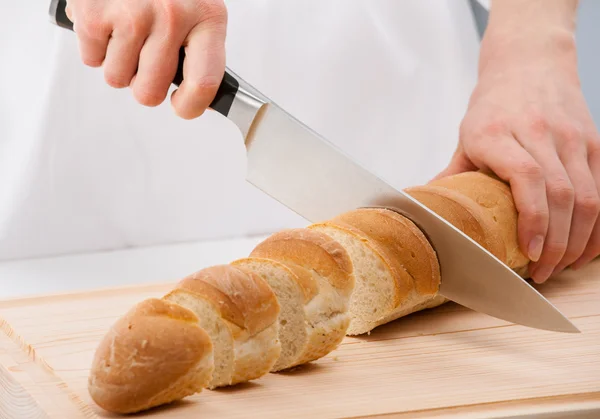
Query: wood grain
(448, 362)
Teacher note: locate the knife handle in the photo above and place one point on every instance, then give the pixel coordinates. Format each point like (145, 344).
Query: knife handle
(226, 94)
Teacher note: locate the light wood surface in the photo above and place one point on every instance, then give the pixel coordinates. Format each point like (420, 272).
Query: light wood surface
(448, 362)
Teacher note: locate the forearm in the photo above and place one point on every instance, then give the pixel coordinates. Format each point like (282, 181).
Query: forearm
(519, 29)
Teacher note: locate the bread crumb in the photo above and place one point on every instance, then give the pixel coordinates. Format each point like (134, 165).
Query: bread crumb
(335, 358)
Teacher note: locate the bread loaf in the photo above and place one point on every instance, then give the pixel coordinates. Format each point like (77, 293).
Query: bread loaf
(295, 297)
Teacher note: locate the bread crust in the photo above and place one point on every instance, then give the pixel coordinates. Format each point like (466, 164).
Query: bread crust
(495, 197)
(243, 297)
(311, 253)
(250, 306)
(222, 330)
(401, 240)
(307, 248)
(133, 368)
(464, 214)
(403, 282)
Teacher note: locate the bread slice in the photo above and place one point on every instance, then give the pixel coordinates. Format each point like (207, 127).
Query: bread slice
(401, 240)
(324, 270)
(495, 197)
(405, 244)
(218, 328)
(291, 295)
(394, 265)
(250, 311)
(463, 213)
(155, 354)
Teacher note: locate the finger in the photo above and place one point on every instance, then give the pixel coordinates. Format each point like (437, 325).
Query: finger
(592, 249)
(123, 51)
(156, 69)
(586, 207)
(203, 70)
(69, 12)
(460, 163)
(560, 195)
(511, 162)
(93, 32)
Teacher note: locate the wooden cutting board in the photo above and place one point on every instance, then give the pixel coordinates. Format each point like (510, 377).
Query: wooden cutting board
(448, 362)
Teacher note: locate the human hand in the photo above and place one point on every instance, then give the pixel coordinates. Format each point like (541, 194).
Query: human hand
(138, 42)
(528, 122)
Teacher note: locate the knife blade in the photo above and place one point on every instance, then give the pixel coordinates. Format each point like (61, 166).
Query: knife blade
(303, 171)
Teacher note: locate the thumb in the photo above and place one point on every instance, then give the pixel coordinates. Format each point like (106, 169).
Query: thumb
(460, 163)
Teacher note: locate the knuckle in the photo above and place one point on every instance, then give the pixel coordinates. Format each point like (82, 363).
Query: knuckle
(593, 145)
(588, 204)
(529, 169)
(537, 123)
(91, 26)
(213, 11)
(172, 16)
(134, 25)
(561, 191)
(205, 85)
(536, 215)
(555, 250)
(569, 132)
(494, 127)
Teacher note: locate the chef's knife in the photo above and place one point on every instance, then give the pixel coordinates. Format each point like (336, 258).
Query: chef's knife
(309, 175)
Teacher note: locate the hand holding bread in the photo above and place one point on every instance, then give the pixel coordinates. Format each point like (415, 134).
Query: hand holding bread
(294, 298)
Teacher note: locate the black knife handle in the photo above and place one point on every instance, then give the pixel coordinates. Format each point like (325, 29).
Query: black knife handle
(227, 89)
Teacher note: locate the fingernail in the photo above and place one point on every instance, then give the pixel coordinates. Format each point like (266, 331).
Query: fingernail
(535, 248)
(542, 274)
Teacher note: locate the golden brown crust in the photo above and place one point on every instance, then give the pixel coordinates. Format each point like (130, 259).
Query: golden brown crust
(401, 240)
(133, 367)
(243, 297)
(496, 198)
(404, 283)
(303, 278)
(305, 247)
(464, 214)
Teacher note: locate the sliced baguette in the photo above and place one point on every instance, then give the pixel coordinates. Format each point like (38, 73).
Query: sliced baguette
(395, 267)
(495, 197)
(250, 311)
(155, 354)
(310, 254)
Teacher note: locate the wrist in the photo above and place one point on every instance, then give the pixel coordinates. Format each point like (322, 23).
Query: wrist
(524, 32)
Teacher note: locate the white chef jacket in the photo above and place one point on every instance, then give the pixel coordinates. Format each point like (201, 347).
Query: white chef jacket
(83, 167)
